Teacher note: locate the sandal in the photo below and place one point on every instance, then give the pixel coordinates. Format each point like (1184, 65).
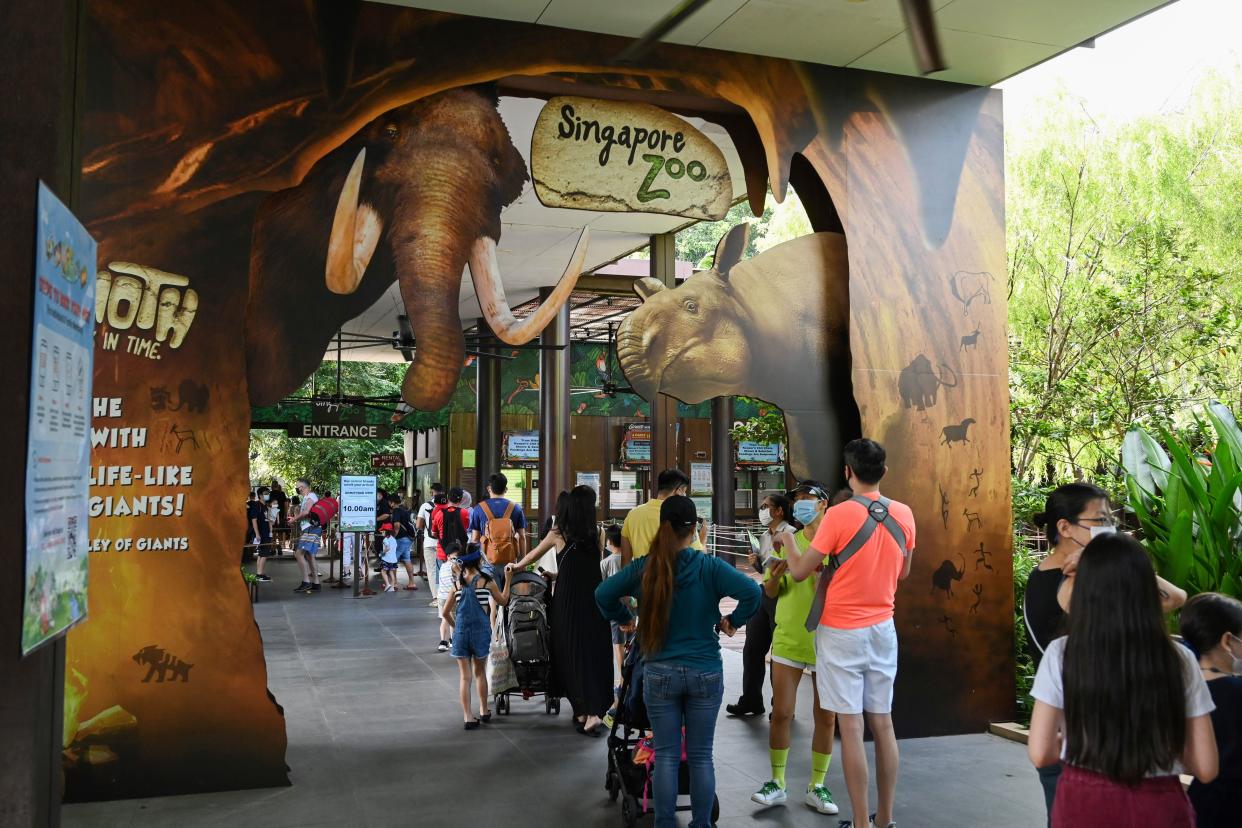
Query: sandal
(486, 718)
(471, 725)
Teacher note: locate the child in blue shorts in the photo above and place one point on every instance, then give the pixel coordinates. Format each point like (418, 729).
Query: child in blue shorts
(472, 633)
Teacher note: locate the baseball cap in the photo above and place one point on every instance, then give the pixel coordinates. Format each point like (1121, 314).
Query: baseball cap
(386, 527)
(679, 511)
(472, 554)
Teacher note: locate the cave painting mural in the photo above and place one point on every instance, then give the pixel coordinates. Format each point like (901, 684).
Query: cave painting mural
(414, 195)
(272, 206)
(773, 327)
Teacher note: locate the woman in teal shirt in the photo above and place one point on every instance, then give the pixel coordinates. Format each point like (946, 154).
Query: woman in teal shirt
(679, 591)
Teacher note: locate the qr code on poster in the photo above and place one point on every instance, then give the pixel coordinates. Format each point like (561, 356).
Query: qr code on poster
(71, 535)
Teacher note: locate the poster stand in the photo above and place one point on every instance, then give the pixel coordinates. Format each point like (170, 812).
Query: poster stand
(361, 560)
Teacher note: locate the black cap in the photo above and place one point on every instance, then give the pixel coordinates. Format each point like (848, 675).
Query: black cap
(679, 511)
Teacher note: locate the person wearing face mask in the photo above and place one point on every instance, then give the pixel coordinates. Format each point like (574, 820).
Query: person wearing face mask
(1211, 624)
(793, 651)
(1073, 514)
(774, 516)
(307, 544)
(260, 530)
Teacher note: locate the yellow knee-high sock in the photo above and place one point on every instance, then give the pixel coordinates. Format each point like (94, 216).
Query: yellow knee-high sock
(778, 759)
(819, 767)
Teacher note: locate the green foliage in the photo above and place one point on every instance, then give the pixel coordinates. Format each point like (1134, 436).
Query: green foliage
(697, 243)
(1190, 507)
(767, 425)
(1123, 279)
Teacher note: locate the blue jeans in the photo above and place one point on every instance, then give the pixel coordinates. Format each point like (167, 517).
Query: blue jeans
(677, 696)
(403, 549)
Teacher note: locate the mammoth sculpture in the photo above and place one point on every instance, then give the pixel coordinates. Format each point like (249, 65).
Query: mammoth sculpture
(415, 195)
(773, 327)
(918, 383)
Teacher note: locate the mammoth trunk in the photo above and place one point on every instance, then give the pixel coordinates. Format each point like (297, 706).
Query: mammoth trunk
(430, 246)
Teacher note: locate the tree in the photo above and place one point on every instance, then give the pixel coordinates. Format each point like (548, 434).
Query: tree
(1122, 280)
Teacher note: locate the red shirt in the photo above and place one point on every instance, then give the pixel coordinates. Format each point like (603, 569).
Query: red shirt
(437, 526)
(863, 589)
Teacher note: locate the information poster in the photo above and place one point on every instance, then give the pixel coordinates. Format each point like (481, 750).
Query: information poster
(700, 478)
(758, 454)
(59, 454)
(358, 495)
(520, 449)
(591, 479)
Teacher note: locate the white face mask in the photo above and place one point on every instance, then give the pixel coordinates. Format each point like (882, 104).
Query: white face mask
(765, 517)
(1237, 662)
(1097, 531)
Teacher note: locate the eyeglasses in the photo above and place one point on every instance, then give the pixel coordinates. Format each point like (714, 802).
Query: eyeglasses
(1098, 521)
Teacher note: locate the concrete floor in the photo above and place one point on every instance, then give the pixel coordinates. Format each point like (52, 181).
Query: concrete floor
(375, 739)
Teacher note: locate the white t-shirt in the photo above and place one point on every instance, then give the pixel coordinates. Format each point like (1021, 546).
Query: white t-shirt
(1049, 688)
(390, 550)
(444, 586)
(307, 502)
(424, 514)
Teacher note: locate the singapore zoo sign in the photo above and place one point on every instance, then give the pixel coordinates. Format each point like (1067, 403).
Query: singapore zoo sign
(614, 156)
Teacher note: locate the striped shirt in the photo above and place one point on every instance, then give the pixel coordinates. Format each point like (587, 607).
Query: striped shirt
(480, 592)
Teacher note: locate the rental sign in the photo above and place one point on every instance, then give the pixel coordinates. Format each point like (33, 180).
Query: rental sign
(618, 156)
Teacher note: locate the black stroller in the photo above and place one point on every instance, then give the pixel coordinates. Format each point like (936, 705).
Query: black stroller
(629, 776)
(530, 645)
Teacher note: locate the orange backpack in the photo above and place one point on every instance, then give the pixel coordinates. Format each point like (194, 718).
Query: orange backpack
(499, 538)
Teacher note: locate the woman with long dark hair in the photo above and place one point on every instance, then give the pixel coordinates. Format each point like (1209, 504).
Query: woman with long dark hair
(1119, 701)
(1212, 626)
(679, 591)
(1073, 514)
(581, 639)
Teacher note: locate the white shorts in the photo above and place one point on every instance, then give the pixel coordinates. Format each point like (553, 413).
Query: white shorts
(789, 662)
(855, 669)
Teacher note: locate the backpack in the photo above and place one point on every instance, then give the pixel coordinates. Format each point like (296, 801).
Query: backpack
(323, 510)
(529, 634)
(877, 515)
(451, 529)
(499, 538)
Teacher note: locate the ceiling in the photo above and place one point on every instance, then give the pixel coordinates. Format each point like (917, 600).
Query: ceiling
(984, 41)
(536, 241)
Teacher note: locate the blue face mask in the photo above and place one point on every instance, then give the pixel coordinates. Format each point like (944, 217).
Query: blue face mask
(805, 511)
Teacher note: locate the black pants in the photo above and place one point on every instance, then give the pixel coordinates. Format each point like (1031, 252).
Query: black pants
(758, 641)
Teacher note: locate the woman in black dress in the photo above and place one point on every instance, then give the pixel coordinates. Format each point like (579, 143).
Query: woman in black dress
(581, 637)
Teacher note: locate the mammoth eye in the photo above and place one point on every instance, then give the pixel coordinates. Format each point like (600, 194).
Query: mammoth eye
(391, 132)
(692, 306)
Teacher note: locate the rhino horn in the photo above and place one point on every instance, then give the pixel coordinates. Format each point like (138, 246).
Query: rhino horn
(647, 287)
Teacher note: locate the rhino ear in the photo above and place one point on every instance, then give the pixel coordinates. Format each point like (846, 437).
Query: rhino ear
(647, 287)
(730, 248)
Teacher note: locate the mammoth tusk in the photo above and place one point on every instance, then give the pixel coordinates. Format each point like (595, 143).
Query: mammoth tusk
(355, 233)
(485, 273)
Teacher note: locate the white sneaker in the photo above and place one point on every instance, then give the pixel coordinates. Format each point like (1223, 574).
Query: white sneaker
(434, 603)
(390, 589)
(770, 794)
(820, 798)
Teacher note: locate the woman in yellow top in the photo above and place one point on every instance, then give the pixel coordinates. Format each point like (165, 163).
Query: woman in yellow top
(793, 650)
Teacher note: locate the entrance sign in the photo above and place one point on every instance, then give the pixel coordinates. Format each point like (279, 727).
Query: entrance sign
(340, 431)
(58, 459)
(388, 460)
(358, 494)
(620, 157)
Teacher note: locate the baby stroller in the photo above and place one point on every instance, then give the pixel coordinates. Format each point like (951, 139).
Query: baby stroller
(530, 644)
(630, 755)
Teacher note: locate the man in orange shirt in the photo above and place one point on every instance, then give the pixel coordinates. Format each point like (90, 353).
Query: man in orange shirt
(856, 642)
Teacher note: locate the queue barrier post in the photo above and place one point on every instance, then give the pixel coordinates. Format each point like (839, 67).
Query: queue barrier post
(362, 587)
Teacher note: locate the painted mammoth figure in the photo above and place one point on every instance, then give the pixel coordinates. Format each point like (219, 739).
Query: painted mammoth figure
(415, 195)
(774, 327)
(918, 383)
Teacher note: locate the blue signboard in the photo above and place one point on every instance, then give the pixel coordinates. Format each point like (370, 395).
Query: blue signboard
(59, 455)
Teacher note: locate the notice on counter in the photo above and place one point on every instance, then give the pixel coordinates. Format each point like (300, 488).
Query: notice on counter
(357, 500)
(59, 454)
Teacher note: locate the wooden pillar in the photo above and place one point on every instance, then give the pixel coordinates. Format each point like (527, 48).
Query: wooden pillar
(665, 434)
(487, 421)
(724, 500)
(39, 139)
(554, 436)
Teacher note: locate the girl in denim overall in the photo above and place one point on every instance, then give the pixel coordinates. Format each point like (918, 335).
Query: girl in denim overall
(472, 634)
